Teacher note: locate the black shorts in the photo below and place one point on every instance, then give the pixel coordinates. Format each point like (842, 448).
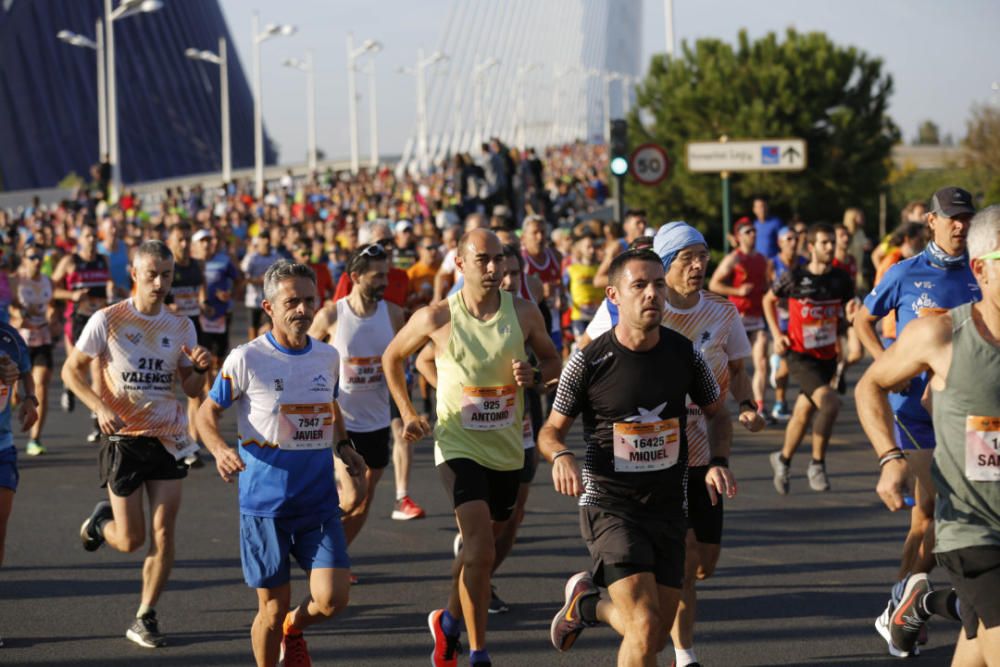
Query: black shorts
(622, 544)
(216, 343)
(258, 318)
(41, 355)
(373, 446)
(466, 481)
(975, 575)
(125, 462)
(527, 473)
(704, 518)
(76, 325)
(809, 372)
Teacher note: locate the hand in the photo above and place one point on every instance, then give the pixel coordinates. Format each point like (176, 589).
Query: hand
(415, 428)
(781, 344)
(744, 289)
(222, 295)
(566, 476)
(892, 484)
(228, 463)
(9, 374)
(751, 420)
(27, 414)
(353, 461)
(199, 356)
(109, 422)
(719, 480)
(524, 374)
(78, 294)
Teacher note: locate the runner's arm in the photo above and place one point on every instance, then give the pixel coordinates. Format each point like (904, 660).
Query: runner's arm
(74, 377)
(59, 280)
(407, 341)
(566, 476)
(741, 390)
(537, 338)
(864, 325)
(426, 365)
(227, 460)
(353, 461)
(320, 328)
(722, 276)
(601, 277)
(770, 306)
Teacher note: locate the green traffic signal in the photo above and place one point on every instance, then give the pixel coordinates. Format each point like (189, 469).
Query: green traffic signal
(619, 166)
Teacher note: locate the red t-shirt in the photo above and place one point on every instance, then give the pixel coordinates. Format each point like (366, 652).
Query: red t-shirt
(395, 291)
(750, 269)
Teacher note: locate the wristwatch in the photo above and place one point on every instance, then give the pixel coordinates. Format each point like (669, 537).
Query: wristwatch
(32, 398)
(748, 405)
(344, 443)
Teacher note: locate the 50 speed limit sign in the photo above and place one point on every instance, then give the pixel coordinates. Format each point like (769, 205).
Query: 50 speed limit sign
(649, 164)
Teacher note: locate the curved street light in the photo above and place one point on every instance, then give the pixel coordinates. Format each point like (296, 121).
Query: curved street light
(219, 60)
(270, 30)
(310, 71)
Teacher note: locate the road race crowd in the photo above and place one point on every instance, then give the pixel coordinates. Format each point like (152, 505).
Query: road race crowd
(488, 305)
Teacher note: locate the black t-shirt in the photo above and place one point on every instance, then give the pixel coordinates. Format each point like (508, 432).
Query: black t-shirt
(815, 308)
(634, 414)
(184, 290)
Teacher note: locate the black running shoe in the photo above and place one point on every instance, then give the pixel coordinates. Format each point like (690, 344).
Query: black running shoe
(146, 632)
(904, 627)
(497, 606)
(90, 533)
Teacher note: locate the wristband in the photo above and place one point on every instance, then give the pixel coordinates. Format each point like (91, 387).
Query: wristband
(748, 405)
(200, 370)
(32, 398)
(891, 455)
(721, 461)
(344, 443)
(564, 452)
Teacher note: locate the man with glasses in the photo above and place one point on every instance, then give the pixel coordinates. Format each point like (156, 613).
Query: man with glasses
(932, 282)
(742, 276)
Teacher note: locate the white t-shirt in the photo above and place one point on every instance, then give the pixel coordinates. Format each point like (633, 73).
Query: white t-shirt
(139, 357)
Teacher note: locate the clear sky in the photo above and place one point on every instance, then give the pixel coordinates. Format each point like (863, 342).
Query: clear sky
(939, 54)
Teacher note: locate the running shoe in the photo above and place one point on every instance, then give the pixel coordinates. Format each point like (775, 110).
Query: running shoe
(773, 376)
(780, 412)
(406, 509)
(567, 624)
(294, 652)
(446, 649)
(146, 631)
(780, 473)
(768, 417)
(882, 626)
(67, 401)
(34, 448)
(816, 472)
(456, 546)
(497, 606)
(94, 435)
(904, 628)
(90, 532)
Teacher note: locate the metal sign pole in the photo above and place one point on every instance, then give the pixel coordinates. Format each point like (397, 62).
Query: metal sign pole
(727, 216)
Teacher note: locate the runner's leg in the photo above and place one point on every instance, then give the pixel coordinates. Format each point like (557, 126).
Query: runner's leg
(507, 530)
(329, 593)
(827, 404)
(919, 545)
(164, 504)
(6, 504)
(477, 557)
(796, 428)
(354, 520)
(760, 371)
(699, 565)
(639, 610)
(125, 532)
(265, 633)
(41, 375)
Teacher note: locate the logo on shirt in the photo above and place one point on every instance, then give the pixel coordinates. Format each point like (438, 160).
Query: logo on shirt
(279, 385)
(806, 281)
(601, 360)
(925, 301)
(647, 416)
(165, 342)
(923, 284)
(504, 329)
(134, 337)
(320, 383)
(705, 335)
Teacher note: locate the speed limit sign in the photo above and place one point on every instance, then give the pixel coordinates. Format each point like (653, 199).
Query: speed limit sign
(650, 164)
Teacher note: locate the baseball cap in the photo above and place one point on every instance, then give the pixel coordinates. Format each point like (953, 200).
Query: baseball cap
(200, 234)
(741, 223)
(952, 201)
(785, 231)
(402, 226)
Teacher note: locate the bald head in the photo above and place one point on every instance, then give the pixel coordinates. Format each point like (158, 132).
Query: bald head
(480, 258)
(479, 241)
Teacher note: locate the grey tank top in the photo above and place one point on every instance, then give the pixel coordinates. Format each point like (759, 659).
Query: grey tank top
(967, 429)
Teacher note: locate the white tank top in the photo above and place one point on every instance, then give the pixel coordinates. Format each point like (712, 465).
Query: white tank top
(35, 296)
(360, 341)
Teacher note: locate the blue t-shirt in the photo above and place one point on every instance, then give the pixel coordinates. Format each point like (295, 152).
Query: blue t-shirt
(911, 288)
(13, 346)
(220, 275)
(117, 264)
(767, 236)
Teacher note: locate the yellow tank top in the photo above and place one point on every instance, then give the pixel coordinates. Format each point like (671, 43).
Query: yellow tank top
(586, 298)
(479, 406)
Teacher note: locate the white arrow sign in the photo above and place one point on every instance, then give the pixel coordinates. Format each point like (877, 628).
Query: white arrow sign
(747, 155)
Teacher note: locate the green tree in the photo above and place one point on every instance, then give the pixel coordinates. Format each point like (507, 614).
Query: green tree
(982, 146)
(928, 134)
(803, 86)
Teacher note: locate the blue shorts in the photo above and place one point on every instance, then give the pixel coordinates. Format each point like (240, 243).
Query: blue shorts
(557, 339)
(266, 544)
(8, 469)
(913, 434)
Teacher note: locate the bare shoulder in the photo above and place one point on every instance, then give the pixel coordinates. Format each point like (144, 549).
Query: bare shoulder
(526, 310)
(432, 317)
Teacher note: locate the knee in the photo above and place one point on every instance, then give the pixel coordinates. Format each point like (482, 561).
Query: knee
(132, 541)
(331, 604)
(649, 632)
(828, 400)
(478, 553)
(162, 537)
(272, 614)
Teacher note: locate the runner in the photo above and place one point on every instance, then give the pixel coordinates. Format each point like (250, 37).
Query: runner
(83, 280)
(742, 276)
(713, 324)
(285, 386)
(787, 257)
(360, 327)
(937, 279)
(633, 484)
(187, 292)
(544, 262)
(960, 350)
(816, 294)
(634, 226)
(32, 300)
(479, 334)
(142, 349)
(849, 351)
(221, 281)
(255, 264)
(15, 367)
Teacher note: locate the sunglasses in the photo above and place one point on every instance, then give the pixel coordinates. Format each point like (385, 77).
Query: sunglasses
(33, 258)
(375, 251)
(990, 255)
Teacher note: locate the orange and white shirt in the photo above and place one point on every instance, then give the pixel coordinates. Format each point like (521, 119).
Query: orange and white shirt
(139, 357)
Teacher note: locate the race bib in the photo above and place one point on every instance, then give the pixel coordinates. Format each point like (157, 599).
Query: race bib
(642, 447)
(179, 447)
(820, 333)
(527, 433)
(305, 426)
(216, 325)
(925, 312)
(361, 374)
(186, 301)
(488, 408)
(982, 449)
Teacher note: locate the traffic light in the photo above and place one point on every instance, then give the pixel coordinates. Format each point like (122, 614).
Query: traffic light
(619, 147)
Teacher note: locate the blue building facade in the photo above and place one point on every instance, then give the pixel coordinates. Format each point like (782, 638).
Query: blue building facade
(168, 105)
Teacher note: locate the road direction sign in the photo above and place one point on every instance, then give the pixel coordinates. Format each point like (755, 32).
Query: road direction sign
(650, 164)
(747, 155)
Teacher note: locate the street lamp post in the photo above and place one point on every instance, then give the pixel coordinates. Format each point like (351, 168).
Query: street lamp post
(522, 71)
(307, 67)
(126, 8)
(372, 116)
(220, 60)
(422, 65)
(608, 78)
(352, 92)
(478, 72)
(270, 30)
(97, 44)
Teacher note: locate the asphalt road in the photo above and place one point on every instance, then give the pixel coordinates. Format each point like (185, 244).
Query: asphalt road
(800, 580)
